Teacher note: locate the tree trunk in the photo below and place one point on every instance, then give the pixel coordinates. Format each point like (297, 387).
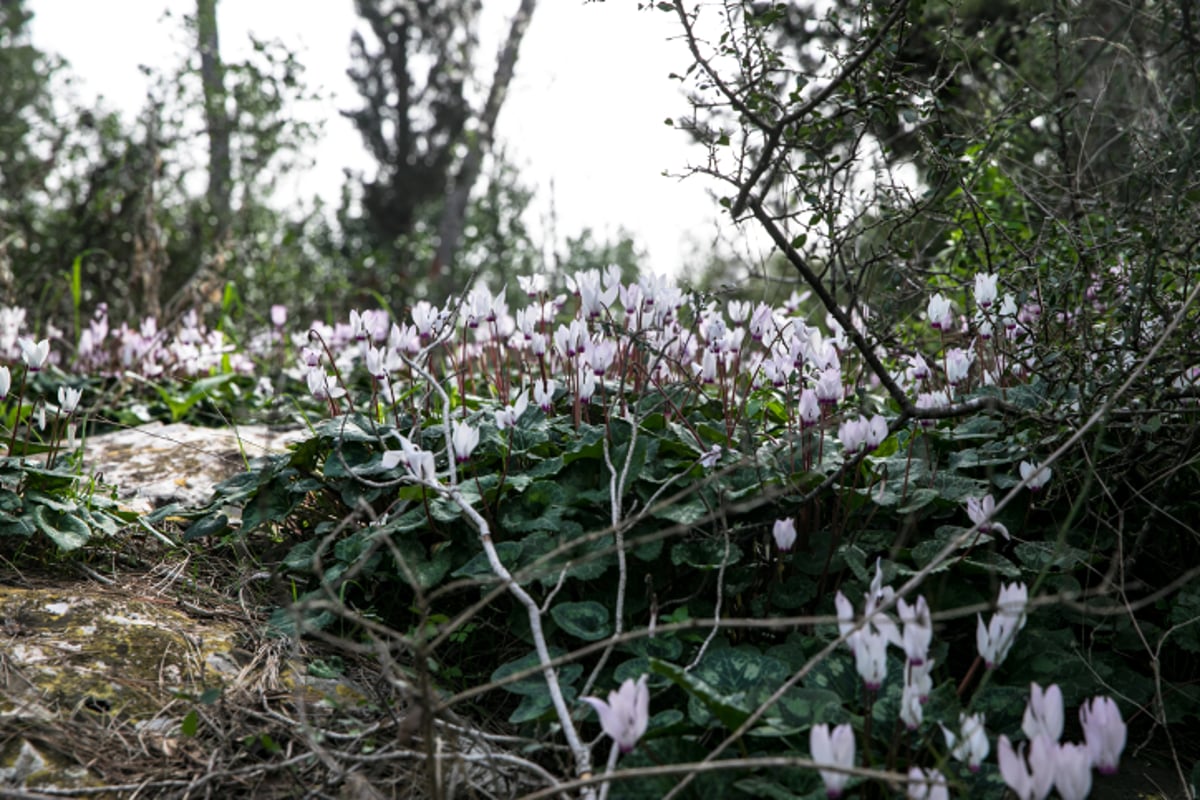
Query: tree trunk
(212, 75)
(450, 229)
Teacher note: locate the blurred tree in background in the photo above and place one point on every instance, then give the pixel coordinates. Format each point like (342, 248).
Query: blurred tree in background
(85, 191)
(405, 226)
(180, 206)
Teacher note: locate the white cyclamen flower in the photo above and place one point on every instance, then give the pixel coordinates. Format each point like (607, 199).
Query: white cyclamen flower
(1040, 475)
(980, 511)
(985, 289)
(1030, 779)
(833, 749)
(507, 417)
(785, 534)
(1105, 732)
(1073, 772)
(463, 440)
(626, 714)
(34, 354)
(68, 399)
(995, 640)
(940, 316)
(927, 785)
(970, 743)
(1044, 713)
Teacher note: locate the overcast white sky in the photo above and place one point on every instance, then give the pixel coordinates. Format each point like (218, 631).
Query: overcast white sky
(585, 111)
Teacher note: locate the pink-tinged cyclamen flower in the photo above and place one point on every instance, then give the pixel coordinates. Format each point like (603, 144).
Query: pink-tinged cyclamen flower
(853, 435)
(810, 408)
(477, 306)
(822, 354)
(278, 315)
(543, 394)
(1040, 475)
(426, 317)
(985, 328)
(785, 534)
(593, 299)
(1032, 778)
(762, 322)
(795, 300)
(34, 354)
(358, 325)
(322, 386)
(739, 310)
(587, 386)
(927, 784)
(877, 431)
(834, 749)
(711, 456)
(970, 743)
(829, 390)
(532, 285)
(1073, 772)
(376, 359)
(985, 289)
(600, 356)
(5, 382)
(870, 656)
(713, 329)
(463, 440)
(932, 400)
(996, 639)
(939, 313)
(527, 319)
(419, 463)
(507, 416)
(1043, 713)
(920, 677)
(958, 365)
(878, 595)
(980, 511)
(309, 356)
(918, 629)
(1105, 733)
(917, 369)
(537, 344)
(707, 369)
(1008, 312)
(631, 298)
(626, 714)
(912, 710)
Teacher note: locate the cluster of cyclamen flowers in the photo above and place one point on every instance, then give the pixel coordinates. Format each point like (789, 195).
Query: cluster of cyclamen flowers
(188, 350)
(732, 347)
(35, 355)
(1031, 770)
(1029, 773)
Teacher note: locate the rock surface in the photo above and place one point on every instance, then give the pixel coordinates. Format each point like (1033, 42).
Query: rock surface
(156, 464)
